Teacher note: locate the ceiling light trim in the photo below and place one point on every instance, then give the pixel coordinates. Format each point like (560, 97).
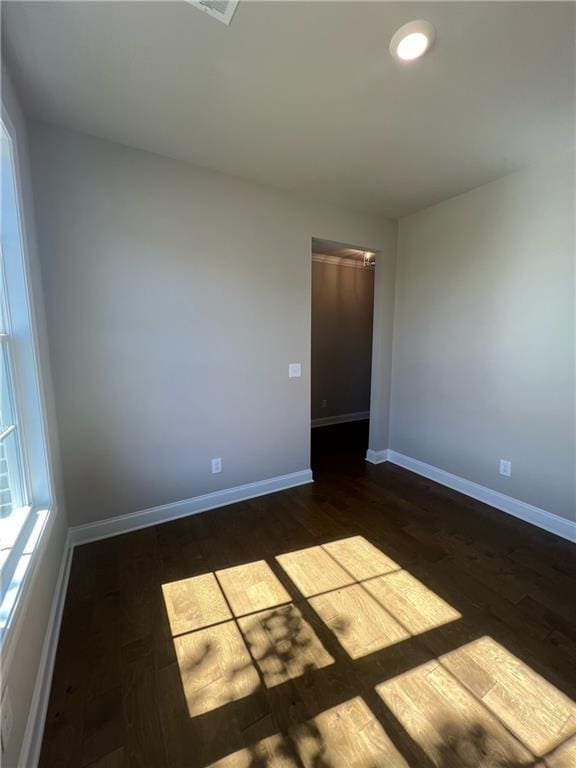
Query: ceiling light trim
(400, 47)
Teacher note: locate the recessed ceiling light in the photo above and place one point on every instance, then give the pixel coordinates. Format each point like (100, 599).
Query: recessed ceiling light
(412, 40)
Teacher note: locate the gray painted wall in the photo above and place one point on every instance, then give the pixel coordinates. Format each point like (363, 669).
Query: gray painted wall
(380, 391)
(484, 336)
(22, 647)
(342, 316)
(176, 297)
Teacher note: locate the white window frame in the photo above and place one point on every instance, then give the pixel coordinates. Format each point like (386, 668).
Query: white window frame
(28, 524)
(19, 484)
(17, 525)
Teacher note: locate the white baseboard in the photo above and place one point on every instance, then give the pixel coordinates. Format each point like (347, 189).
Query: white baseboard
(377, 457)
(327, 421)
(82, 534)
(32, 739)
(530, 514)
(115, 526)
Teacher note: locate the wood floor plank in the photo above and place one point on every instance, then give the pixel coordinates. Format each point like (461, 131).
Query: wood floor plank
(115, 759)
(539, 714)
(360, 558)
(195, 603)
(283, 644)
(251, 587)
(562, 757)
(273, 752)
(104, 726)
(215, 667)
(314, 571)
(143, 739)
(359, 622)
(347, 735)
(416, 607)
(448, 722)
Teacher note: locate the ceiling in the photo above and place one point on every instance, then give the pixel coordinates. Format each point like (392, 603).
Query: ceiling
(339, 250)
(305, 96)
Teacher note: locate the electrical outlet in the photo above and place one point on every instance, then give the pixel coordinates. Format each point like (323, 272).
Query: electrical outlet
(7, 718)
(505, 467)
(216, 466)
(324, 404)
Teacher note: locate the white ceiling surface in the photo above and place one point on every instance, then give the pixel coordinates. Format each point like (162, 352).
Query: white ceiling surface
(305, 96)
(339, 250)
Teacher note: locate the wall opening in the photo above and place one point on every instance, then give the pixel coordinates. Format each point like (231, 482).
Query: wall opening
(341, 344)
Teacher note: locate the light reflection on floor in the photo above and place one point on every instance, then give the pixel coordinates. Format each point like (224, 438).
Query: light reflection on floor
(223, 639)
(366, 599)
(358, 620)
(347, 735)
(361, 559)
(273, 752)
(195, 603)
(487, 705)
(215, 667)
(563, 757)
(283, 644)
(252, 587)
(314, 571)
(528, 705)
(239, 630)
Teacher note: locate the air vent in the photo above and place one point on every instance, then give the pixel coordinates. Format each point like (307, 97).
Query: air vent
(223, 10)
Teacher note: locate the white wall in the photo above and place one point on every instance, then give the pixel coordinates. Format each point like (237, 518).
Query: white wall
(382, 345)
(342, 318)
(22, 648)
(484, 336)
(176, 297)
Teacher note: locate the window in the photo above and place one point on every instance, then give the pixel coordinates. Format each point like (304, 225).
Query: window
(14, 508)
(24, 484)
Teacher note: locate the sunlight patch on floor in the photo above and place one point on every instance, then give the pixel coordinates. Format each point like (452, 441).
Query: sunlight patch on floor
(413, 604)
(346, 736)
(359, 622)
(213, 646)
(252, 587)
(215, 667)
(447, 722)
(272, 752)
(563, 756)
(283, 644)
(313, 571)
(366, 599)
(360, 558)
(236, 631)
(534, 710)
(194, 603)
(482, 706)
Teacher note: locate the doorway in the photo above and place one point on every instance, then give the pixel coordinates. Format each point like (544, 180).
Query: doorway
(341, 351)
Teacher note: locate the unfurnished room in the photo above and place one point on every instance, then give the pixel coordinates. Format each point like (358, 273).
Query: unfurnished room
(288, 384)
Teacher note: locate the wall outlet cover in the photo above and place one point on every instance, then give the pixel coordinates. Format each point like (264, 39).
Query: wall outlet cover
(216, 466)
(294, 370)
(505, 467)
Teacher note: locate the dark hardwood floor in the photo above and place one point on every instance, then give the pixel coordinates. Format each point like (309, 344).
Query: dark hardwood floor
(373, 619)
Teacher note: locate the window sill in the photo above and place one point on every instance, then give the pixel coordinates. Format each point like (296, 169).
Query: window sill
(11, 527)
(16, 565)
